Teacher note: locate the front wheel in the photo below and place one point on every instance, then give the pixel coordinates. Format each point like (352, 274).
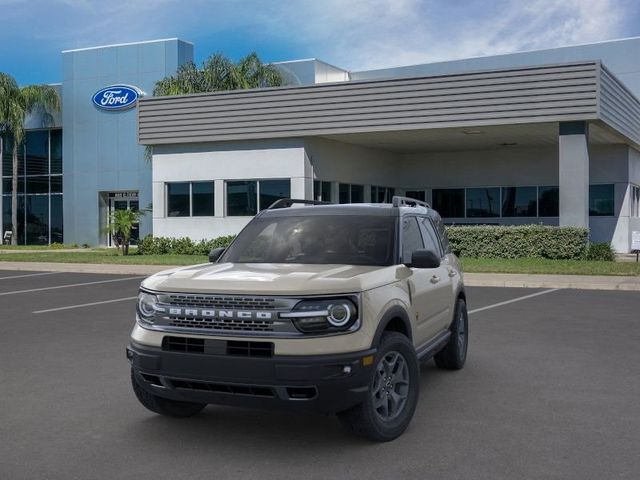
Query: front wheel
(392, 395)
(454, 354)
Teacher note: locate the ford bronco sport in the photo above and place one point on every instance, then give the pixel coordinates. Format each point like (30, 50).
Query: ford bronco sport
(318, 307)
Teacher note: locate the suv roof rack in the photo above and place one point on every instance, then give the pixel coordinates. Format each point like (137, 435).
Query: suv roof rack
(288, 202)
(398, 201)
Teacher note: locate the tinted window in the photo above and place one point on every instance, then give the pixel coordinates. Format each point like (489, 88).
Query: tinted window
(56, 151)
(56, 219)
(357, 193)
(272, 190)
(411, 238)
(56, 184)
(37, 219)
(322, 190)
(483, 202)
(242, 198)
(449, 202)
(178, 199)
(601, 200)
(39, 184)
(316, 239)
(202, 199)
(417, 194)
(519, 201)
(430, 236)
(37, 152)
(548, 203)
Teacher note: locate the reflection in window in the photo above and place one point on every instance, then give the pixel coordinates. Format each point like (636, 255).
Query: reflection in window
(519, 201)
(37, 152)
(548, 201)
(37, 219)
(322, 191)
(202, 198)
(242, 198)
(273, 190)
(601, 200)
(178, 199)
(483, 202)
(449, 202)
(411, 238)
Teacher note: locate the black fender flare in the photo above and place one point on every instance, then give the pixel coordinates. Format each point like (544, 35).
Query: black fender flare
(392, 313)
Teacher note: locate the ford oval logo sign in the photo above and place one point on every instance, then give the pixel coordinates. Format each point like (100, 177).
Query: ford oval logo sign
(116, 97)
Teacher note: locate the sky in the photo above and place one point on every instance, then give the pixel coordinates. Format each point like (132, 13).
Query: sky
(352, 34)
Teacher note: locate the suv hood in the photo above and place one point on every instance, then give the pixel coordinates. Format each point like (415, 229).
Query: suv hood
(271, 278)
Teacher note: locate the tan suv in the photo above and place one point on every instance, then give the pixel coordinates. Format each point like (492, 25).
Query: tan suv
(316, 307)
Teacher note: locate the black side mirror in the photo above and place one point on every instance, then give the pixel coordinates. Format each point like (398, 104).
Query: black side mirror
(215, 254)
(424, 259)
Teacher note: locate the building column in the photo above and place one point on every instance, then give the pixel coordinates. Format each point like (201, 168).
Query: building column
(574, 174)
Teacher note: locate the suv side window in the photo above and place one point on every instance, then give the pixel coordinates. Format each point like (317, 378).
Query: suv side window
(431, 241)
(411, 238)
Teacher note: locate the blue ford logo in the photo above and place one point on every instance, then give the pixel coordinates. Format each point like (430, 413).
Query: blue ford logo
(116, 97)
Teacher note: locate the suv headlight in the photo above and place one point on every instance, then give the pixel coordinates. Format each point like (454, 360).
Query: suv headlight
(147, 305)
(324, 315)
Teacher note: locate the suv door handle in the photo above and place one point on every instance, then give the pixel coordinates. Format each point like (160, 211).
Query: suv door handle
(435, 279)
(452, 273)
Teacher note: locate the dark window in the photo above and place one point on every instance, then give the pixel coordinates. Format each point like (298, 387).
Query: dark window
(417, 194)
(429, 235)
(483, 202)
(56, 151)
(316, 239)
(449, 202)
(272, 190)
(39, 184)
(411, 238)
(37, 152)
(202, 199)
(37, 219)
(519, 201)
(178, 199)
(442, 232)
(548, 203)
(56, 219)
(381, 194)
(56, 184)
(601, 200)
(350, 193)
(7, 145)
(322, 190)
(242, 198)
(6, 216)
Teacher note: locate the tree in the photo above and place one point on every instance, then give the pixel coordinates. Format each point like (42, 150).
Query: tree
(15, 104)
(120, 226)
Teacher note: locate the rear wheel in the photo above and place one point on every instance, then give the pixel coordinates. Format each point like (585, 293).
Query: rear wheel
(164, 406)
(454, 355)
(392, 395)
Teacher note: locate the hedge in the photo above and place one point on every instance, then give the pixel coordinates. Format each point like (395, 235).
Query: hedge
(151, 245)
(519, 241)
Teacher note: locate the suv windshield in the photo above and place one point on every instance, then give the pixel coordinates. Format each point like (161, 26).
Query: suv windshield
(319, 239)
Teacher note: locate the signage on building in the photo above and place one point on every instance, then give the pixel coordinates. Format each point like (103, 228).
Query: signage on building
(116, 97)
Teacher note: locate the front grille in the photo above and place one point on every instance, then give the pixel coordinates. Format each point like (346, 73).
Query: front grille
(250, 349)
(183, 344)
(227, 324)
(252, 390)
(214, 301)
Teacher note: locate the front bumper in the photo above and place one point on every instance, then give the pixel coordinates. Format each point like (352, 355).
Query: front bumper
(319, 383)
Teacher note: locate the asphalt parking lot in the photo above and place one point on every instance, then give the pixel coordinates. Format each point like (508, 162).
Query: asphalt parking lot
(551, 390)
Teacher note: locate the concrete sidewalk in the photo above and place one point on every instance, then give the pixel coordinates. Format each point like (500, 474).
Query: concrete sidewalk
(586, 282)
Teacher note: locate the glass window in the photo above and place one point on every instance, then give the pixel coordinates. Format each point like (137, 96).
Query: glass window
(357, 193)
(242, 198)
(272, 190)
(37, 152)
(351, 193)
(519, 201)
(635, 201)
(178, 199)
(382, 194)
(548, 203)
(7, 145)
(601, 198)
(37, 219)
(322, 191)
(39, 184)
(417, 194)
(6, 216)
(56, 184)
(430, 236)
(56, 219)
(202, 199)
(411, 238)
(56, 151)
(345, 193)
(317, 239)
(449, 202)
(483, 202)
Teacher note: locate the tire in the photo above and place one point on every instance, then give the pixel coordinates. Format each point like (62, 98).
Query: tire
(368, 419)
(454, 354)
(164, 406)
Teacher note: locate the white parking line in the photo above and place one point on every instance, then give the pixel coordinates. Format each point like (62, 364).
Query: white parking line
(513, 300)
(70, 286)
(70, 307)
(29, 275)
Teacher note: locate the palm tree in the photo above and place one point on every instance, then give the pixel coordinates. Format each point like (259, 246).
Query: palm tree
(120, 226)
(15, 104)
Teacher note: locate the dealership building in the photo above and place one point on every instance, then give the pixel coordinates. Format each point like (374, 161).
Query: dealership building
(546, 137)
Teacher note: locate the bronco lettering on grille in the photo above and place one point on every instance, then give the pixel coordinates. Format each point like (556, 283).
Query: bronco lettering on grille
(209, 313)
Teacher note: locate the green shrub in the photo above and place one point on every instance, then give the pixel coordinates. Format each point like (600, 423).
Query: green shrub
(151, 245)
(600, 251)
(518, 241)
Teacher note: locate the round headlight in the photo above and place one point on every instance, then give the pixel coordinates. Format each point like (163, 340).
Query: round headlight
(146, 304)
(339, 314)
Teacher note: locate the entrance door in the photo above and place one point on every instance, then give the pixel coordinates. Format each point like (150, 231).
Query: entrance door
(119, 202)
